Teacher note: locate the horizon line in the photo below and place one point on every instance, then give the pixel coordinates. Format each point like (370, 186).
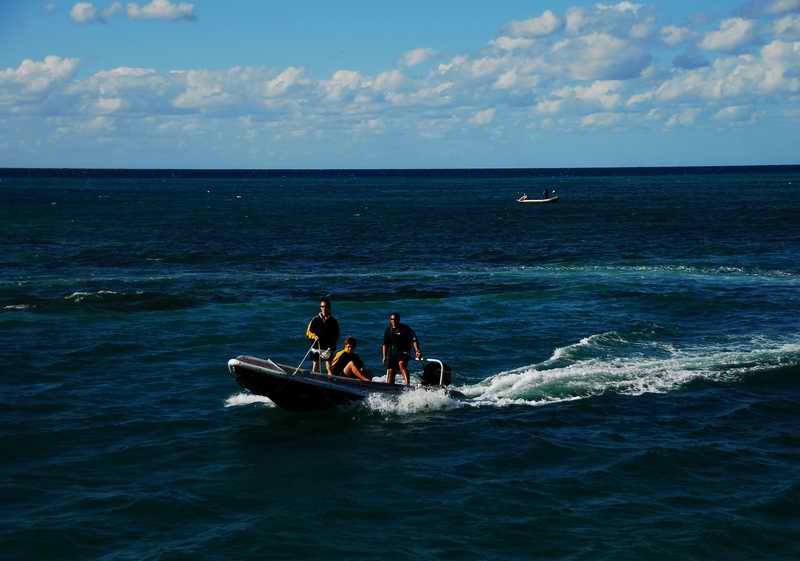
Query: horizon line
(391, 169)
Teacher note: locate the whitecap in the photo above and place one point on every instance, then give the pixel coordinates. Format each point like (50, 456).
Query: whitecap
(80, 296)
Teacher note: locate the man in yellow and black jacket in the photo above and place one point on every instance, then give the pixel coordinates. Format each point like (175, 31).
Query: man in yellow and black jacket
(324, 329)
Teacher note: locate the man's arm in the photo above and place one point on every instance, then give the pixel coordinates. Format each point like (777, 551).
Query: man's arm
(415, 343)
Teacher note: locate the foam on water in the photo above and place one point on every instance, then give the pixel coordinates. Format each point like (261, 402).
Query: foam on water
(410, 403)
(240, 399)
(81, 296)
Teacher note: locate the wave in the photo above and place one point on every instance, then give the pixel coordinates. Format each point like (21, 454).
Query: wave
(102, 300)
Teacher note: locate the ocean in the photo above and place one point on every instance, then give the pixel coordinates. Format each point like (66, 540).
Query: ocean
(630, 358)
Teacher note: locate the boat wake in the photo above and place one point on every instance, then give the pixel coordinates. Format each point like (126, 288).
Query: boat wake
(610, 362)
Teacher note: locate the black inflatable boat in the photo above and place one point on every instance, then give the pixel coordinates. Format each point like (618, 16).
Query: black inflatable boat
(300, 390)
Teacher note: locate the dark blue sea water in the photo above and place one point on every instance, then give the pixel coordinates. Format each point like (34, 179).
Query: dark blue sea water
(631, 357)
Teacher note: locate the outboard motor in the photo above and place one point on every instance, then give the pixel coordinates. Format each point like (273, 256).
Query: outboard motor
(432, 373)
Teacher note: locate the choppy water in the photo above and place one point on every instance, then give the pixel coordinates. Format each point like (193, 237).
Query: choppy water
(631, 357)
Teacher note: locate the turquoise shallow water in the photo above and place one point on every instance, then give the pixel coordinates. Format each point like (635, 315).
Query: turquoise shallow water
(630, 356)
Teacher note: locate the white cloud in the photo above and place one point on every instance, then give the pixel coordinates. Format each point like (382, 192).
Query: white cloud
(506, 81)
(162, 10)
(788, 27)
(204, 90)
(621, 7)
(431, 96)
(38, 77)
(549, 106)
(454, 64)
(602, 93)
(416, 56)
(673, 35)
(600, 120)
(511, 43)
(576, 19)
(783, 56)
(732, 34)
(117, 80)
(483, 117)
(541, 26)
(743, 77)
(736, 114)
(599, 56)
(599, 100)
(283, 82)
(783, 6)
(109, 105)
(643, 29)
(686, 117)
(387, 81)
(341, 83)
(86, 12)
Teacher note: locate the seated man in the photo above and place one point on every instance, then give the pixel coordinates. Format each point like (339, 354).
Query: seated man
(348, 364)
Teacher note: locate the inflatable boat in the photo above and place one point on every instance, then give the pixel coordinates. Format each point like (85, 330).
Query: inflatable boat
(298, 389)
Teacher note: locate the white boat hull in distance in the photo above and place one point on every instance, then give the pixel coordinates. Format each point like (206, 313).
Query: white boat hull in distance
(539, 201)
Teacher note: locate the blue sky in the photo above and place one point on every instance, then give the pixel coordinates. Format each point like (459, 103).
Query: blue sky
(365, 84)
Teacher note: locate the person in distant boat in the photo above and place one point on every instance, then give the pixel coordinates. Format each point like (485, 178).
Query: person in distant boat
(524, 197)
(347, 363)
(324, 330)
(398, 342)
(546, 194)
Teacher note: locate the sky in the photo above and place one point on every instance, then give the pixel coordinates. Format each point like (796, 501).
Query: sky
(416, 84)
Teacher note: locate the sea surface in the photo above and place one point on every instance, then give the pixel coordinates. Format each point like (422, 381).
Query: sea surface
(630, 357)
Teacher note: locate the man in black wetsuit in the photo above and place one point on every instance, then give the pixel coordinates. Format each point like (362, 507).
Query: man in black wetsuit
(398, 340)
(324, 329)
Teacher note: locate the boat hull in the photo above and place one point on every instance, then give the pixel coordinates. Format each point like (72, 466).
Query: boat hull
(538, 201)
(303, 391)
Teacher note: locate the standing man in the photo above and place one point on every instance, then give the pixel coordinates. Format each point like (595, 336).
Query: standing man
(324, 329)
(398, 340)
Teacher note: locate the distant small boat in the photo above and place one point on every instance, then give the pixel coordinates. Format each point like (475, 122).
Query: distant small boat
(525, 199)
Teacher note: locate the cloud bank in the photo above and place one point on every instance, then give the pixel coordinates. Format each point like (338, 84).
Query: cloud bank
(164, 10)
(609, 67)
